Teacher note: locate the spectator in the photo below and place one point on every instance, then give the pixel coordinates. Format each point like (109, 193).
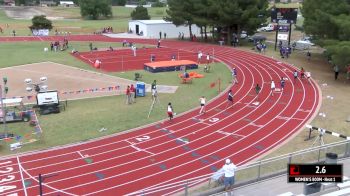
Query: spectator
(13, 33)
(90, 46)
(208, 58)
(308, 55)
(158, 44)
(160, 35)
(229, 174)
(132, 94)
(164, 35)
(127, 95)
(186, 75)
(200, 54)
(348, 73)
(125, 43)
(336, 72)
(154, 88)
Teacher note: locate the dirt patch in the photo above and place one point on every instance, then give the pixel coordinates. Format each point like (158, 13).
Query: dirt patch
(72, 83)
(22, 12)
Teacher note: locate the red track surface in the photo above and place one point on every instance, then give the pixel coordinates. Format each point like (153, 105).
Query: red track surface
(123, 59)
(145, 160)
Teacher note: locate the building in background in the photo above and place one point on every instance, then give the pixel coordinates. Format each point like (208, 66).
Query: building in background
(152, 28)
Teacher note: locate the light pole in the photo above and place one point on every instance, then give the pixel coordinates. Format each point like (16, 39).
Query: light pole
(3, 93)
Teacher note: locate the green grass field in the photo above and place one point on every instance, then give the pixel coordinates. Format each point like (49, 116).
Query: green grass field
(73, 22)
(34, 52)
(83, 118)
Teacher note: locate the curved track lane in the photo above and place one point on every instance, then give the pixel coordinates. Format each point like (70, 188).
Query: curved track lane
(158, 159)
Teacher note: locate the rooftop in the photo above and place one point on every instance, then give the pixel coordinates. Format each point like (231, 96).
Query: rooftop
(153, 21)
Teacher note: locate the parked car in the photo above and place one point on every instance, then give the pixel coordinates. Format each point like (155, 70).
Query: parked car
(243, 35)
(269, 27)
(15, 111)
(256, 37)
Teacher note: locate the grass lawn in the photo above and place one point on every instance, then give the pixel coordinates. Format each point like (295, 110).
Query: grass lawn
(83, 118)
(34, 52)
(73, 22)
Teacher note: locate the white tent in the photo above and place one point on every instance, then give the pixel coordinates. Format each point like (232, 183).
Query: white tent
(153, 29)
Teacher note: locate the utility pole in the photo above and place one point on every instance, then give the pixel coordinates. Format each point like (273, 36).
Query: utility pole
(3, 92)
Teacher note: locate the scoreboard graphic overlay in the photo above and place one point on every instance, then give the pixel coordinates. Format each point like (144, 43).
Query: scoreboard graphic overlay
(315, 173)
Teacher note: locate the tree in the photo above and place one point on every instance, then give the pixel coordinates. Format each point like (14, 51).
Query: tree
(95, 8)
(328, 23)
(41, 22)
(157, 3)
(119, 2)
(140, 13)
(180, 13)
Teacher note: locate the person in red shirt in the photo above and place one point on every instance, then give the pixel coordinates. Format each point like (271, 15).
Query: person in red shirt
(132, 94)
(127, 93)
(348, 73)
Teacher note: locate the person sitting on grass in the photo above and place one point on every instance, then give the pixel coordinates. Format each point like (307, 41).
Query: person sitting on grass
(186, 75)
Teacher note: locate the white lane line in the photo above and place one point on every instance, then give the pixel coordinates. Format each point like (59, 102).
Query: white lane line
(302, 110)
(22, 179)
(140, 149)
(82, 156)
(182, 140)
(253, 124)
(228, 134)
(288, 118)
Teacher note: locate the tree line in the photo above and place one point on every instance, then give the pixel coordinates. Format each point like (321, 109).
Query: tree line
(328, 21)
(220, 17)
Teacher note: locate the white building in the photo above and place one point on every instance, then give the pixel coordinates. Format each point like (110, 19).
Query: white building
(67, 3)
(152, 29)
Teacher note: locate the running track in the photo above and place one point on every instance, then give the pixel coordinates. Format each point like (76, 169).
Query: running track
(157, 159)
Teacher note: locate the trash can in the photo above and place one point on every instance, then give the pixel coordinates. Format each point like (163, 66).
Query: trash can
(140, 89)
(310, 188)
(331, 158)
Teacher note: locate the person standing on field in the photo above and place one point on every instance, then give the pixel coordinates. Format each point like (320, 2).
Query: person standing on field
(202, 102)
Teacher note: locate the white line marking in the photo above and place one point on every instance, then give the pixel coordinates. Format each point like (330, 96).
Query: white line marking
(288, 118)
(302, 110)
(139, 149)
(80, 154)
(253, 124)
(182, 140)
(228, 134)
(22, 179)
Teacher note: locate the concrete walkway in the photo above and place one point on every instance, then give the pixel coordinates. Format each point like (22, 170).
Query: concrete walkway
(279, 185)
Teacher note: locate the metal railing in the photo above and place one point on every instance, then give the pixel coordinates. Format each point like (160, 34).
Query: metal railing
(251, 172)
